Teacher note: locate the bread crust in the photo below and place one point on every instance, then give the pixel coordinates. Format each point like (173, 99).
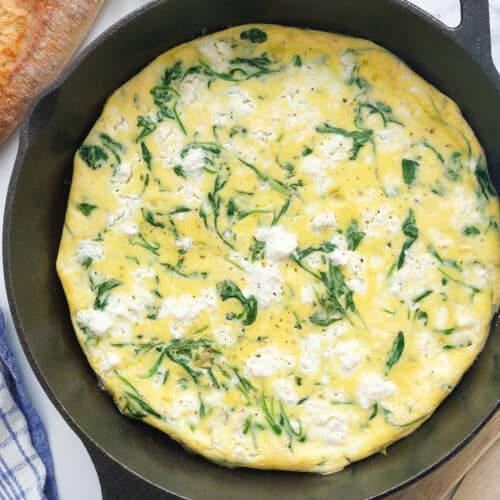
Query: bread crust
(55, 29)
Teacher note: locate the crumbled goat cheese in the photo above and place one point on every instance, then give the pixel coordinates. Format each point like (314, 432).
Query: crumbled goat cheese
(310, 355)
(373, 388)
(223, 335)
(186, 308)
(98, 322)
(89, 249)
(285, 391)
(268, 361)
(323, 220)
(280, 242)
(265, 283)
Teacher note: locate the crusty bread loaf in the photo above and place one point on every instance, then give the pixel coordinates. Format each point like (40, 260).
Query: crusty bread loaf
(37, 37)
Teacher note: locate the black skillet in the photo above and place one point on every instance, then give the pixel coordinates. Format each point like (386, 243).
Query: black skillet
(132, 459)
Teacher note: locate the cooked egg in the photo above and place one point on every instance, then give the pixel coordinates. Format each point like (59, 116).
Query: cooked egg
(281, 248)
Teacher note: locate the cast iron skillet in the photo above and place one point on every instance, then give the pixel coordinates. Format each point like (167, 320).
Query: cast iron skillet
(132, 459)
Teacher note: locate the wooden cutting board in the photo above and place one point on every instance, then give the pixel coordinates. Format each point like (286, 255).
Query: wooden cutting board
(476, 467)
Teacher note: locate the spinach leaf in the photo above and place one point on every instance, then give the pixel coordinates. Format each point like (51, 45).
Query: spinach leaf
(102, 291)
(214, 200)
(422, 296)
(454, 167)
(354, 78)
(257, 250)
(380, 108)
(242, 68)
(209, 147)
(144, 243)
(396, 351)
(354, 235)
(86, 208)
(178, 269)
(147, 125)
(149, 217)
(173, 73)
(178, 170)
(359, 137)
(471, 231)
(297, 61)
(274, 184)
(186, 353)
(113, 146)
(446, 262)
(428, 145)
(483, 179)
(229, 290)
(136, 406)
(146, 155)
(254, 35)
(410, 230)
(94, 156)
(325, 247)
(409, 170)
(281, 212)
(337, 302)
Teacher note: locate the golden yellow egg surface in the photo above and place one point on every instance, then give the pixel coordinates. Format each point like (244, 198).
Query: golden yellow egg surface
(281, 248)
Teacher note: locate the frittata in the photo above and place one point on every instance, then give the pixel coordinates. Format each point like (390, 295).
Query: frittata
(281, 248)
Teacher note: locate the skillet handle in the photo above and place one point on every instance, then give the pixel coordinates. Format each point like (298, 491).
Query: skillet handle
(119, 483)
(474, 35)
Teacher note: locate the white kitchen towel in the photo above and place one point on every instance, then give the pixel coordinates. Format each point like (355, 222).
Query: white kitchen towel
(26, 468)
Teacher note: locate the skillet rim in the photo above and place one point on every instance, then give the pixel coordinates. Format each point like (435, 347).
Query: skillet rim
(451, 33)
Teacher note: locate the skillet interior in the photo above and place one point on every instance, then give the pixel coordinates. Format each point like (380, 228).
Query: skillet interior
(35, 214)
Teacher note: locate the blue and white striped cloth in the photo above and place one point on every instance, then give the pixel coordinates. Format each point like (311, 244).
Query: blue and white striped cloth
(26, 469)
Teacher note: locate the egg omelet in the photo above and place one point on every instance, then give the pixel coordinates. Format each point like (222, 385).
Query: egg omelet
(281, 248)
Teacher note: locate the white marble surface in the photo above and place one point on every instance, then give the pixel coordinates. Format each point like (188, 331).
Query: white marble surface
(76, 476)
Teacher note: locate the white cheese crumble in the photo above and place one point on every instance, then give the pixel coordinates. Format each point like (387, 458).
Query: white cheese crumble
(239, 101)
(324, 423)
(268, 361)
(280, 242)
(350, 355)
(89, 249)
(122, 173)
(122, 331)
(392, 138)
(217, 53)
(285, 391)
(131, 305)
(265, 283)
(223, 335)
(186, 308)
(335, 148)
(98, 322)
(373, 388)
(307, 294)
(380, 222)
(184, 407)
(323, 220)
(184, 244)
(441, 318)
(129, 228)
(190, 88)
(419, 269)
(193, 162)
(129, 204)
(169, 141)
(143, 273)
(310, 355)
(465, 207)
(190, 195)
(106, 360)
